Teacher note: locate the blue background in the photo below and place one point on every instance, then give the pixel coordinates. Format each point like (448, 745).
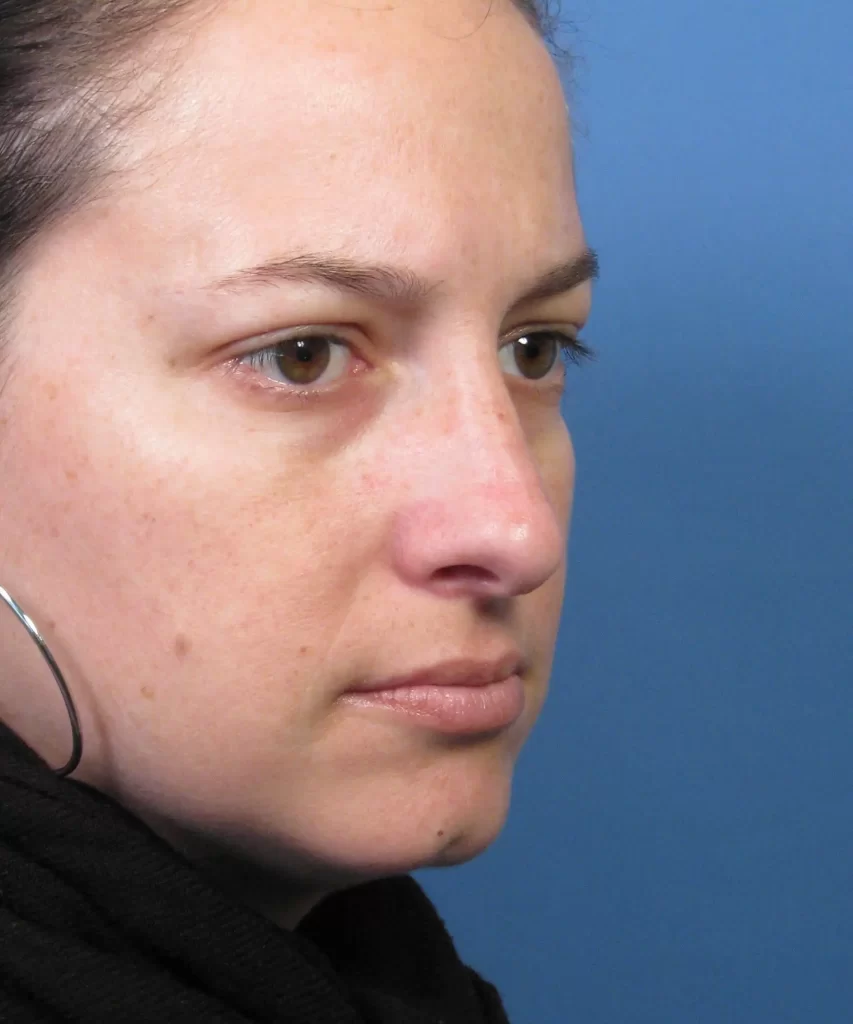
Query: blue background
(680, 845)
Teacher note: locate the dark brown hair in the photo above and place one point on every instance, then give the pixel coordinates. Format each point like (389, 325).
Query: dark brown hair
(62, 63)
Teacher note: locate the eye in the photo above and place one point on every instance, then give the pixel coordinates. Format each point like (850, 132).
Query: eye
(308, 360)
(534, 354)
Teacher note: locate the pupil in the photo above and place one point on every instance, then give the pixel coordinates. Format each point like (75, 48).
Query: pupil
(304, 360)
(536, 356)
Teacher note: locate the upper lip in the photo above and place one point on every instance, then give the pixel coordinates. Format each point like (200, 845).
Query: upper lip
(456, 672)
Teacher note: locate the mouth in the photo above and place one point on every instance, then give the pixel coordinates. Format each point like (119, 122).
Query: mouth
(464, 696)
(456, 672)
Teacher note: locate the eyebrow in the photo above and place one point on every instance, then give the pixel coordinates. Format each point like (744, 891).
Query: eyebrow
(390, 284)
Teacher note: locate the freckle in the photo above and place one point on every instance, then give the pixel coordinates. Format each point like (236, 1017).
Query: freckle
(441, 831)
(182, 645)
(71, 475)
(50, 390)
(148, 692)
(303, 650)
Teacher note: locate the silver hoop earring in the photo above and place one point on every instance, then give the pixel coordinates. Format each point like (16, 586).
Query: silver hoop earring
(30, 626)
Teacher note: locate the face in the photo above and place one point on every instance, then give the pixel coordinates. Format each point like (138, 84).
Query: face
(238, 493)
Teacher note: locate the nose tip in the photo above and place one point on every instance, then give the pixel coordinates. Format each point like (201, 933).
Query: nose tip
(494, 542)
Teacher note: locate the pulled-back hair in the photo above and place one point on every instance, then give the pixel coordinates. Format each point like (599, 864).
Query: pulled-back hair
(62, 66)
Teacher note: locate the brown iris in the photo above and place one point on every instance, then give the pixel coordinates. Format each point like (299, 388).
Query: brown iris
(303, 360)
(535, 354)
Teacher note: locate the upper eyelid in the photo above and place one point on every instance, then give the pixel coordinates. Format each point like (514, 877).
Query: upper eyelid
(286, 334)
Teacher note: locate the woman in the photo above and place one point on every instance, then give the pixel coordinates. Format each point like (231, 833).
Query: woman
(285, 490)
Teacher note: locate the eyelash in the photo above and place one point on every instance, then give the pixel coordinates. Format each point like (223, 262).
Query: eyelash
(573, 350)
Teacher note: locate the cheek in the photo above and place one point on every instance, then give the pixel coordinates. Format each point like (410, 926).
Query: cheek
(557, 467)
(175, 564)
(555, 458)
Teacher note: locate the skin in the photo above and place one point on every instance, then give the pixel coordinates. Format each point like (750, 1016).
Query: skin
(215, 563)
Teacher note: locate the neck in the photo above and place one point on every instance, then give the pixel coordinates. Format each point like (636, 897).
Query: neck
(269, 890)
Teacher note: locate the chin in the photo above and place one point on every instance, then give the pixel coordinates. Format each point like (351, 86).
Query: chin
(432, 851)
(465, 846)
(429, 831)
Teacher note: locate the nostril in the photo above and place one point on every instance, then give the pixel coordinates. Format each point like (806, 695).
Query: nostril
(465, 574)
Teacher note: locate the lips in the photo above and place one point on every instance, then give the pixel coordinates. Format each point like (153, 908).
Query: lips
(456, 672)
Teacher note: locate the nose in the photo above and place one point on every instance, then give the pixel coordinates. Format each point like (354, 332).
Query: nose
(477, 520)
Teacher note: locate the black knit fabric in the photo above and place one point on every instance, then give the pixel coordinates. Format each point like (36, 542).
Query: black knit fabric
(101, 921)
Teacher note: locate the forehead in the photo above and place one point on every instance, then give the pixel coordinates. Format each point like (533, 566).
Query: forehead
(417, 128)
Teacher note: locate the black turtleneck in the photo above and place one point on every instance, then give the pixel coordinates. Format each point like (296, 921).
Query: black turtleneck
(102, 921)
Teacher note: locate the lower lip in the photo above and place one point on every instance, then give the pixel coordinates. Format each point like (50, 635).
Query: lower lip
(459, 710)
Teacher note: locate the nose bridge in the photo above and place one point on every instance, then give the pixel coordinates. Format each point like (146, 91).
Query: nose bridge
(479, 434)
(477, 511)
